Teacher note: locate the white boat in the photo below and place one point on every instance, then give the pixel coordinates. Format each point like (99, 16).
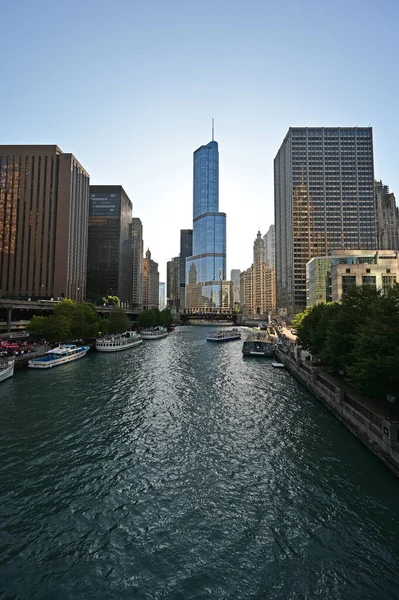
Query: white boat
(6, 368)
(115, 343)
(278, 365)
(259, 344)
(224, 335)
(154, 333)
(64, 353)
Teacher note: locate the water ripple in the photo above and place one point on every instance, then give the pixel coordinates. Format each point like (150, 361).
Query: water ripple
(181, 470)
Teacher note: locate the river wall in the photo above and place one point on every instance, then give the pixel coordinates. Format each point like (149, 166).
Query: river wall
(379, 434)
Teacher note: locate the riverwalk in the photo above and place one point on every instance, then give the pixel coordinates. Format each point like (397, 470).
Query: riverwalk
(365, 417)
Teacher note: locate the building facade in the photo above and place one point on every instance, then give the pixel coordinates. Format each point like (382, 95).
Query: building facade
(186, 250)
(246, 294)
(173, 283)
(269, 239)
(329, 277)
(162, 295)
(136, 235)
(109, 253)
(259, 293)
(150, 282)
(44, 207)
(387, 218)
(206, 288)
(235, 278)
(323, 200)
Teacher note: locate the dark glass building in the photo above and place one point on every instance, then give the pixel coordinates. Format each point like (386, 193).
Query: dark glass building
(186, 250)
(206, 268)
(323, 200)
(109, 255)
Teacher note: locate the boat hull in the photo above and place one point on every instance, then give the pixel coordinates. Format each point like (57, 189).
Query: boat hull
(116, 348)
(7, 372)
(225, 339)
(38, 363)
(153, 334)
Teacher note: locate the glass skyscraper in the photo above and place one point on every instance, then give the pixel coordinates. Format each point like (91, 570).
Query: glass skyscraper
(206, 268)
(323, 200)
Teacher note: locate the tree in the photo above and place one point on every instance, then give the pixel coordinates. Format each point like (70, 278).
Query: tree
(58, 329)
(313, 325)
(112, 301)
(148, 318)
(166, 317)
(37, 326)
(118, 321)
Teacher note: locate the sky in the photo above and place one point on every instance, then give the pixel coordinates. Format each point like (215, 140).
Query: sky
(130, 87)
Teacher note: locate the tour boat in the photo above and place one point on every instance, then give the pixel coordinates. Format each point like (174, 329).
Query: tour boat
(6, 368)
(154, 333)
(223, 335)
(258, 344)
(64, 353)
(115, 343)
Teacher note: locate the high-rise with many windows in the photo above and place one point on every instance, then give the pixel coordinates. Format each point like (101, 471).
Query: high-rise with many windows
(206, 289)
(387, 218)
(44, 206)
(136, 234)
(186, 250)
(323, 200)
(150, 282)
(269, 239)
(109, 255)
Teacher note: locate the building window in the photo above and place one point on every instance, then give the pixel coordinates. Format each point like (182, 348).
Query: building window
(369, 280)
(367, 270)
(348, 281)
(348, 270)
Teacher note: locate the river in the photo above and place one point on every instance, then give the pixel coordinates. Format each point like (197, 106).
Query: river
(180, 470)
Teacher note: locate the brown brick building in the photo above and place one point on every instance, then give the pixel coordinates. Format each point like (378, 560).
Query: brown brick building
(44, 203)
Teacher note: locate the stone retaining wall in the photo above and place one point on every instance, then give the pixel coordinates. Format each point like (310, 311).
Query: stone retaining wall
(378, 434)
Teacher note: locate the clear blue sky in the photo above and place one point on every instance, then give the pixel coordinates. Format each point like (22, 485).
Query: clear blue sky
(130, 87)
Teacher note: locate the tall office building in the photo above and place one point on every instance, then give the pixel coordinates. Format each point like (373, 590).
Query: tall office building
(150, 282)
(387, 218)
(109, 254)
(323, 200)
(162, 296)
(186, 250)
(136, 235)
(206, 288)
(235, 278)
(173, 283)
(44, 205)
(269, 239)
(246, 283)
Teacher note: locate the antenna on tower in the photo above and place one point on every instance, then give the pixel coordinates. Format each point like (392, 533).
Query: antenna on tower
(213, 130)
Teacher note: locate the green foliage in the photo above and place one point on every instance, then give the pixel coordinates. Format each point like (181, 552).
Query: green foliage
(166, 317)
(313, 327)
(153, 317)
(118, 321)
(358, 336)
(70, 321)
(37, 326)
(112, 301)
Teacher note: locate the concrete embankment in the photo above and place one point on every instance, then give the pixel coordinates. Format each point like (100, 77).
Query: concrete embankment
(359, 414)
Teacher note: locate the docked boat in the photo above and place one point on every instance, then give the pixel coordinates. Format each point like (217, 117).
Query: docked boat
(6, 367)
(278, 365)
(224, 335)
(259, 344)
(154, 333)
(64, 353)
(116, 343)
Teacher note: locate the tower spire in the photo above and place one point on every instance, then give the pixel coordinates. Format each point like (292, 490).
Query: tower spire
(213, 130)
